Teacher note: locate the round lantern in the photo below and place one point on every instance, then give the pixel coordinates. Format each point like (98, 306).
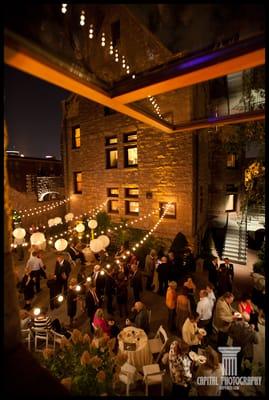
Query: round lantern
(96, 245)
(51, 222)
(104, 239)
(92, 224)
(60, 244)
(69, 217)
(19, 233)
(37, 238)
(57, 221)
(80, 228)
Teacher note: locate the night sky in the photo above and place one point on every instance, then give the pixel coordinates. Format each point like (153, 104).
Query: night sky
(33, 114)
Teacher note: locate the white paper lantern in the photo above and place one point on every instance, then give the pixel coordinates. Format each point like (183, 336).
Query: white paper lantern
(58, 221)
(96, 245)
(60, 244)
(92, 224)
(80, 228)
(51, 222)
(104, 239)
(37, 238)
(69, 217)
(19, 233)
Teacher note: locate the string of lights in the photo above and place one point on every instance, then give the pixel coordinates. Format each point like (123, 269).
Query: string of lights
(41, 209)
(155, 105)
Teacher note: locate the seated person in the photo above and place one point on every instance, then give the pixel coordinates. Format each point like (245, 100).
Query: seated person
(59, 328)
(100, 322)
(43, 321)
(114, 328)
(139, 316)
(246, 308)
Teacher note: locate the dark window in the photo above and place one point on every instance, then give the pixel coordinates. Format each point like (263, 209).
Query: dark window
(115, 32)
(77, 182)
(218, 88)
(111, 158)
(130, 137)
(112, 206)
(231, 188)
(231, 161)
(149, 195)
(130, 156)
(113, 192)
(111, 140)
(170, 211)
(131, 207)
(131, 192)
(109, 111)
(76, 137)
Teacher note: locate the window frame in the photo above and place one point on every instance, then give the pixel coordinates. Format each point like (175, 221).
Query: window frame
(75, 174)
(74, 146)
(108, 151)
(126, 158)
(162, 205)
(131, 196)
(109, 194)
(126, 136)
(127, 207)
(108, 138)
(234, 166)
(109, 206)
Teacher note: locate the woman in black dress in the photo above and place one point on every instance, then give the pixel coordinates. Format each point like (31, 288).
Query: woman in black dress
(71, 300)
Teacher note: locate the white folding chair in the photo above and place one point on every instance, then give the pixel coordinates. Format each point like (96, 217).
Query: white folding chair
(153, 376)
(41, 334)
(157, 344)
(26, 337)
(127, 376)
(57, 337)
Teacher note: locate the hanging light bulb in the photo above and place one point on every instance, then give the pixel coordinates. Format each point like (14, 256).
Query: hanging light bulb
(64, 8)
(111, 48)
(91, 31)
(103, 40)
(82, 18)
(116, 55)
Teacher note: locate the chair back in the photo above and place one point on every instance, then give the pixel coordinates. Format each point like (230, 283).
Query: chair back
(40, 332)
(56, 336)
(26, 334)
(163, 335)
(151, 369)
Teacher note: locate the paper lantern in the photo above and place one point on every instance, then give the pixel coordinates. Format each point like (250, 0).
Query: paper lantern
(51, 222)
(58, 221)
(60, 244)
(92, 224)
(19, 233)
(80, 228)
(37, 238)
(96, 245)
(104, 239)
(69, 217)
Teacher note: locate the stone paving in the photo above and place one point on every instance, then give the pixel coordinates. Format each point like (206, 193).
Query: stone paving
(155, 302)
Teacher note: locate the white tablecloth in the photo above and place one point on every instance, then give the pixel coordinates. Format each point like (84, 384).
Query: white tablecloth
(142, 355)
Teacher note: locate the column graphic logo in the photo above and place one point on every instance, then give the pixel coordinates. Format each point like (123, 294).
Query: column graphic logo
(229, 360)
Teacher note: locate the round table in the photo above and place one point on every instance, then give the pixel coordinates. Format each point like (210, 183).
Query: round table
(140, 354)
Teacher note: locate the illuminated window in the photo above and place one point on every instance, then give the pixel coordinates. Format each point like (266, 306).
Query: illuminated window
(131, 192)
(230, 202)
(111, 140)
(130, 156)
(111, 158)
(77, 182)
(130, 137)
(113, 192)
(231, 161)
(113, 206)
(76, 137)
(171, 211)
(131, 207)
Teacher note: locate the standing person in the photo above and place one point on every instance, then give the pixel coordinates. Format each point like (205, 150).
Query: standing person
(180, 369)
(204, 309)
(91, 303)
(162, 270)
(75, 253)
(223, 317)
(173, 269)
(81, 276)
(211, 294)
(246, 308)
(27, 286)
(150, 262)
(100, 322)
(183, 309)
(213, 271)
(99, 282)
(211, 368)
(51, 284)
(191, 289)
(136, 281)
(62, 271)
(35, 264)
(122, 293)
(190, 333)
(71, 300)
(139, 316)
(110, 287)
(226, 276)
(171, 302)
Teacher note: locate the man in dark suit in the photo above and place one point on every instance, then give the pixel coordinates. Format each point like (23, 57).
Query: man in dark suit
(136, 281)
(62, 272)
(213, 272)
(91, 304)
(99, 282)
(110, 290)
(226, 276)
(75, 253)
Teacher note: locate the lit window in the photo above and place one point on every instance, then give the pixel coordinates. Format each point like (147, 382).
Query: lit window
(130, 156)
(130, 137)
(132, 207)
(111, 158)
(131, 192)
(77, 182)
(111, 140)
(231, 161)
(113, 206)
(230, 202)
(113, 192)
(76, 137)
(170, 211)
